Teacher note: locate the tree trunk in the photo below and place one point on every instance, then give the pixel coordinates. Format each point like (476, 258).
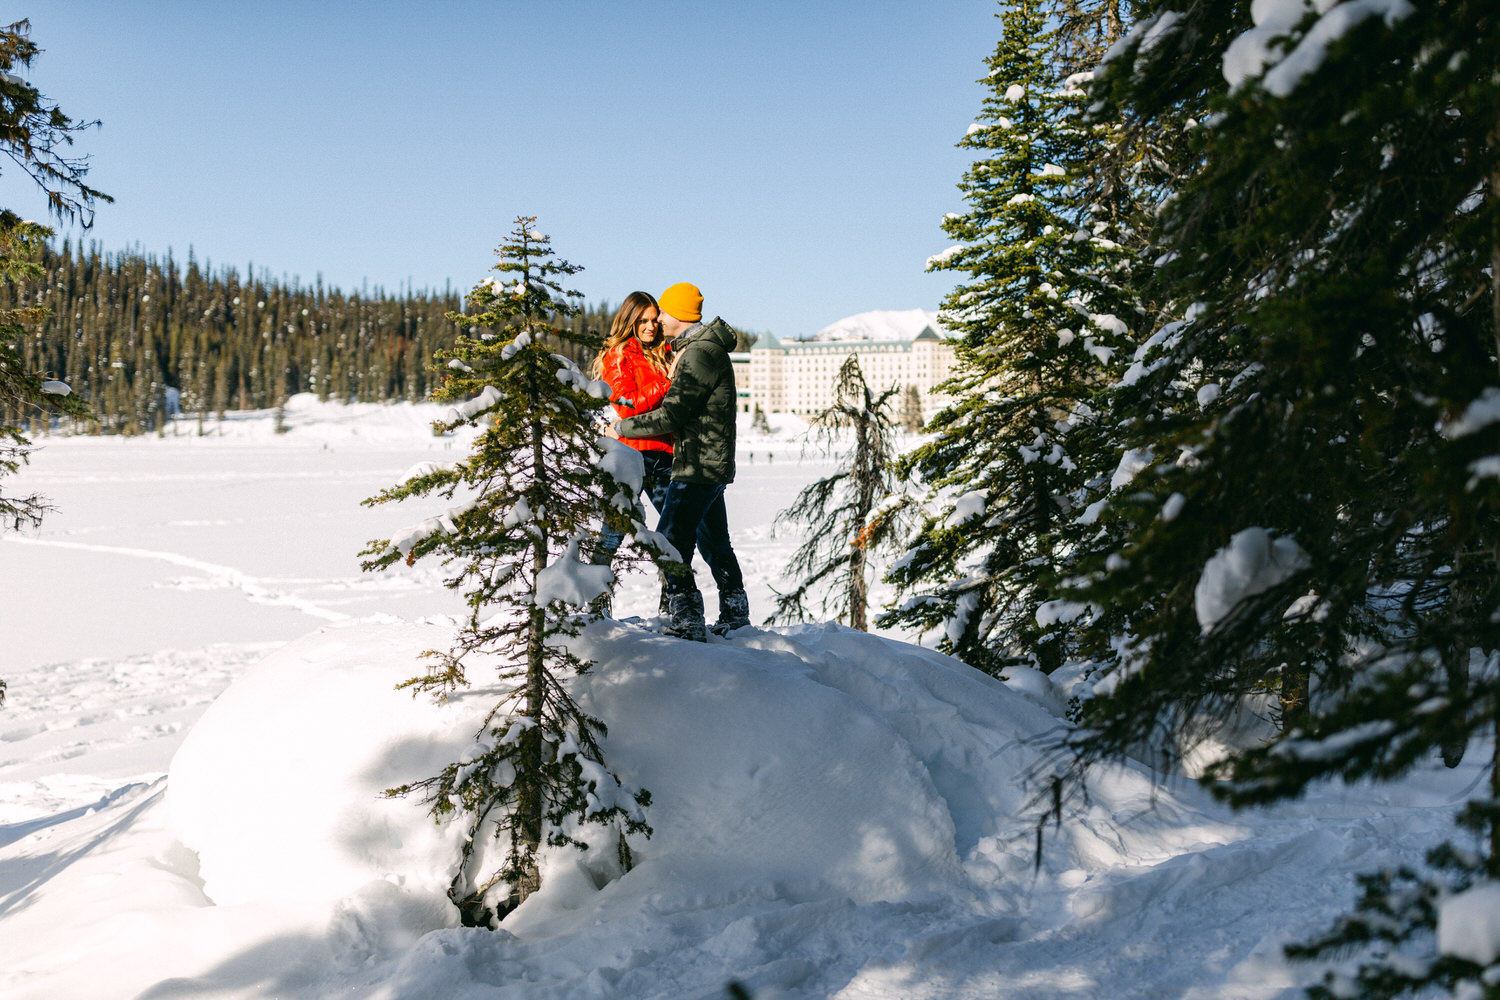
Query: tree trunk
(1050, 651)
(858, 589)
(1494, 859)
(864, 469)
(1293, 699)
(530, 796)
(1494, 152)
(1493, 864)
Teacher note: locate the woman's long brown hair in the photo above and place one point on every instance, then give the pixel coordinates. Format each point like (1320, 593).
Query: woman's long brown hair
(622, 328)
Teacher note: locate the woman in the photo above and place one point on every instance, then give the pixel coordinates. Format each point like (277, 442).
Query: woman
(634, 363)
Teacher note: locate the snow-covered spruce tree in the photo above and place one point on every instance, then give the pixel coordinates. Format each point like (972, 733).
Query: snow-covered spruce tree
(533, 493)
(1322, 525)
(1043, 320)
(850, 513)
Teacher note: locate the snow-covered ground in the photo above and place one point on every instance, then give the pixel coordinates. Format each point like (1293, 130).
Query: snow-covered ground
(201, 719)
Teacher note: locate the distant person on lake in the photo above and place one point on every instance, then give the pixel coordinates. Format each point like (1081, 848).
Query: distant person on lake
(699, 411)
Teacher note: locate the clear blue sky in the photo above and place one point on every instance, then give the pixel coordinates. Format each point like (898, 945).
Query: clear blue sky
(793, 159)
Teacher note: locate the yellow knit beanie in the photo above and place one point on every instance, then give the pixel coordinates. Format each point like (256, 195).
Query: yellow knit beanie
(682, 301)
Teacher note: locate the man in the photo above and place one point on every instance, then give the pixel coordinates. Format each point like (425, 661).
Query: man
(699, 412)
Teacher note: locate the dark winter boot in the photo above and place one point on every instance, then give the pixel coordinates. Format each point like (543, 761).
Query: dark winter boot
(734, 611)
(687, 617)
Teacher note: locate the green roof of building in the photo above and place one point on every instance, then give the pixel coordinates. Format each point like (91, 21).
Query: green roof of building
(768, 340)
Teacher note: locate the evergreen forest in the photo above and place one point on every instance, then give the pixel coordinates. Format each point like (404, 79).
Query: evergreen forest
(140, 337)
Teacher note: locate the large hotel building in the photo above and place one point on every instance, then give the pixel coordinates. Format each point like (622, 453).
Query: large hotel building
(799, 377)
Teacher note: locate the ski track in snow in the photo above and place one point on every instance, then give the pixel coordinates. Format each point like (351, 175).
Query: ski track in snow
(256, 589)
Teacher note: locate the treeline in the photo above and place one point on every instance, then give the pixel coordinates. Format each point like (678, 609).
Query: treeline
(139, 337)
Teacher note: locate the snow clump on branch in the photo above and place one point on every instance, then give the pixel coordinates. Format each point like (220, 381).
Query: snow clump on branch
(468, 411)
(1252, 563)
(1266, 48)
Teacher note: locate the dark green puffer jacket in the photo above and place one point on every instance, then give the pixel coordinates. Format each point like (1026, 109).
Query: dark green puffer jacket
(699, 410)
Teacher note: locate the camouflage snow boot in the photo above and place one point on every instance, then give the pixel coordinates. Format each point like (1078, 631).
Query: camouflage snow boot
(686, 621)
(734, 612)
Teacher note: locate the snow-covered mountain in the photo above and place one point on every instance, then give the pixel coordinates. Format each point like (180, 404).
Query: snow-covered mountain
(881, 324)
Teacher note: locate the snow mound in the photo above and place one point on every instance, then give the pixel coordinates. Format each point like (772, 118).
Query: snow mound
(808, 766)
(773, 763)
(888, 324)
(775, 759)
(836, 815)
(279, 785)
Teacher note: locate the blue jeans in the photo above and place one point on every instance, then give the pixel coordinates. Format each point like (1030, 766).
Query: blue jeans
(658, 477)
(694, 514)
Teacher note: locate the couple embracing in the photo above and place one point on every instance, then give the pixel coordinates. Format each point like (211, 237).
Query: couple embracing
(673, 384)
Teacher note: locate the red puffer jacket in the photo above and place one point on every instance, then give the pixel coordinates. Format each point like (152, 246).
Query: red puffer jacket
(632, 376)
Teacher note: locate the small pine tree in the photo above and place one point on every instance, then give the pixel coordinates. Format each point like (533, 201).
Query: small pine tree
(759, 423)
(539, 483)
(843, 512)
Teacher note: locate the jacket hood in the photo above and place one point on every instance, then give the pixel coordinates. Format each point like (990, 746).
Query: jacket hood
(715, 331)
